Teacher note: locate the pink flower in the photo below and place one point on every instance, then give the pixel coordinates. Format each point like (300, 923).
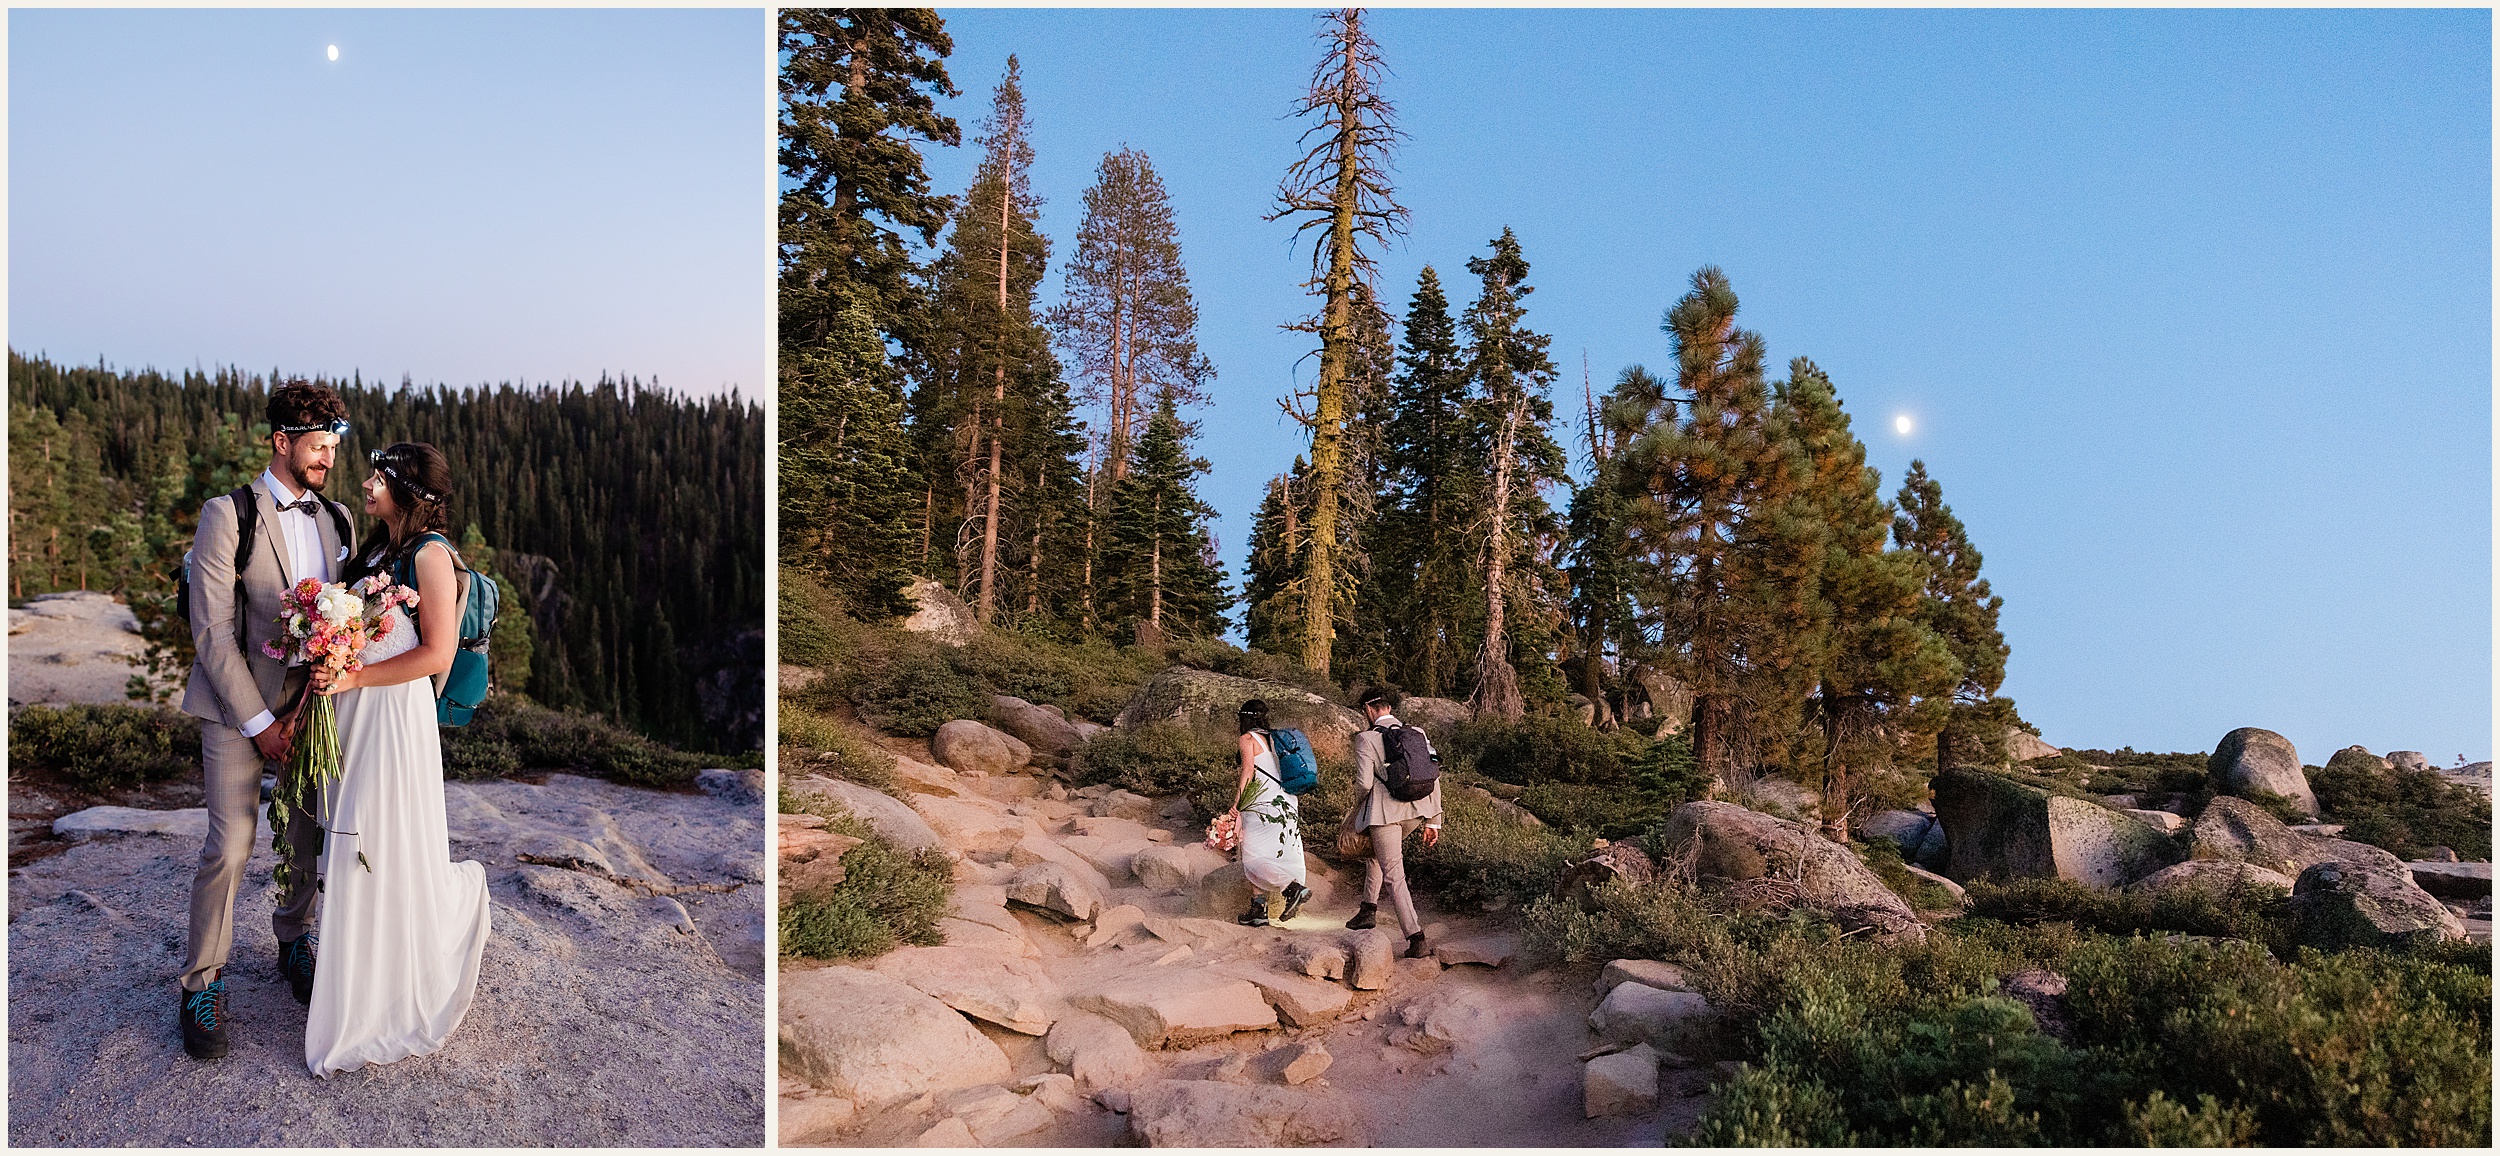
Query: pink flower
(272, 649)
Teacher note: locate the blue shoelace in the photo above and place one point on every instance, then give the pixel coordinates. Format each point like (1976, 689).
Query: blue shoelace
(202, 1004)
(301, 948)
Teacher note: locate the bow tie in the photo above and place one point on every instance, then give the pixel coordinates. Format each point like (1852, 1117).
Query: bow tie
(307, 505)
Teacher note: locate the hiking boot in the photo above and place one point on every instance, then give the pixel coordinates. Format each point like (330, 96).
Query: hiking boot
(1365, 916)
(1295, 896)
(295, 962)
(1415, 948)
(204, 1021)
(1257, 915)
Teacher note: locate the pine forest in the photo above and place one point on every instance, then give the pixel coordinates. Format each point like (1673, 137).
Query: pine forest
(625, 524)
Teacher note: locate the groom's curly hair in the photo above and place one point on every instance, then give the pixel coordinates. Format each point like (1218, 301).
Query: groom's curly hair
(299, 402)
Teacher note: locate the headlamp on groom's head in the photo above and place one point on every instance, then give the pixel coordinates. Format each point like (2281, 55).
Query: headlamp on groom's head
(336, 425)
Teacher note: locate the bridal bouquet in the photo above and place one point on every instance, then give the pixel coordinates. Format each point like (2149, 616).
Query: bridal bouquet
(326, 625)
(1224, 833)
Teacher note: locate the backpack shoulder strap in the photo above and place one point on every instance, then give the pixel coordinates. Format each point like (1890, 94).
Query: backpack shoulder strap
(246, 520)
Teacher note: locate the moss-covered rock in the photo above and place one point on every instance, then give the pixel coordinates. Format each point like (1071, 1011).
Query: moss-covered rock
(1728, 842)
(2251, 761)
(1205, 701)
(1998, 828)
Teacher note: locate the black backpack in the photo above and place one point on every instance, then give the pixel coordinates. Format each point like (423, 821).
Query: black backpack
(246, 521)
(1411, 770)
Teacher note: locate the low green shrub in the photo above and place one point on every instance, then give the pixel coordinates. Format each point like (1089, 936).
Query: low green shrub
(887, 897)
(104, 747)
(2255, 913)
(2129, 771)
(910, 687)
(806, 734)
(815, 628)
(1161, 758)
(1615, 786)
(1546, 749)
(2355, 1048)
(1031, 669)
(1883, 856)
(2405, 812)
(1486, 862)
(1852, 1042)
(510, 733)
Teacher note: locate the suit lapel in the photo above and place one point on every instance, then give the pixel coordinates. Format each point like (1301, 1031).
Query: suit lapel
(272, 535)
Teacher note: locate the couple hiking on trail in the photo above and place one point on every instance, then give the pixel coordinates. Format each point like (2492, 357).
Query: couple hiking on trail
(1397, 790)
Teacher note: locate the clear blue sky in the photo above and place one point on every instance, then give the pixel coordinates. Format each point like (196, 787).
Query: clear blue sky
(462, 197)
(2192, 309)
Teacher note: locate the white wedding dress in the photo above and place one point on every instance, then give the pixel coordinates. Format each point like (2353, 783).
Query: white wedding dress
(1271, 827)
(402, 926)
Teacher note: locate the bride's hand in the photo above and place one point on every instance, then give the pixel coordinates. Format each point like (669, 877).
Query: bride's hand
(345, 680)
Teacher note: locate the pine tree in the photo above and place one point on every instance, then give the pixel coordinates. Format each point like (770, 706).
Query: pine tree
(1127, 317)
(1511, 372)
(847, 483)
(1716, 584)
(858, 88)
(990, 412)
(1164, 578)
(1428, 597)
(1340, 186)
(1360, 652)
(1126, 312)
(1876, 657)
(1969, 726)
(1271, 587)
(1599, 568)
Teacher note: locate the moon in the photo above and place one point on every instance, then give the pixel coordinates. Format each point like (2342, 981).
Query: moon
(1901, 425)
(334, 52)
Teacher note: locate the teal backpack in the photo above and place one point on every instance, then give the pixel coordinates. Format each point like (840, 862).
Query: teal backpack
(458, 691)
(1296, 771)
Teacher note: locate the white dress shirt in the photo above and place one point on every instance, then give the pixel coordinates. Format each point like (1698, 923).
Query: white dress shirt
(301, 531)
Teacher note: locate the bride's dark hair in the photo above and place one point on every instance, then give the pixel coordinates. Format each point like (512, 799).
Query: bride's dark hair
(419, 479)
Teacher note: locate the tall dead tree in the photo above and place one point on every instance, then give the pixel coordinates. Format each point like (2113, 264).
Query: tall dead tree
(1340, 186)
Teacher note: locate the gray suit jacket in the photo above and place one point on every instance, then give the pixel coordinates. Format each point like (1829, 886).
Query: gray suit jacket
(226, 686)
(1374, 805)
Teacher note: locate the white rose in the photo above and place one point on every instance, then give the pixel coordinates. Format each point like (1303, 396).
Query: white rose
(338, 606)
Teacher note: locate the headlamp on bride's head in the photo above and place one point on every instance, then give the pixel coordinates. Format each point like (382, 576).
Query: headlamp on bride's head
(387, 461)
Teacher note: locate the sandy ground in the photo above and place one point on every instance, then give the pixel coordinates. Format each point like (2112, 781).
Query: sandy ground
(607, 1014)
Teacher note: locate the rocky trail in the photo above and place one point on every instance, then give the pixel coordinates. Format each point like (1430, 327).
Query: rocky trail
(1095, 990)
(70, 647)
(619, 1001)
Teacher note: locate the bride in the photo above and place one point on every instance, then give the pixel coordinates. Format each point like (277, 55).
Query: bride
(404, 927)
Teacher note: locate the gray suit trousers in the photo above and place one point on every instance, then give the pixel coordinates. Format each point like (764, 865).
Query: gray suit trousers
(233, 767)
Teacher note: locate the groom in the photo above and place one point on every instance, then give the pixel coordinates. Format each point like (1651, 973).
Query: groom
(236, 690)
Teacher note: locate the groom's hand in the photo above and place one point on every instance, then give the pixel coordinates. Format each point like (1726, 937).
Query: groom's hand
(273, 742)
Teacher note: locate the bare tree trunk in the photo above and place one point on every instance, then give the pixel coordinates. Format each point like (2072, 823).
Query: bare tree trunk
(1033, 576)
(1093, 517)
(998, 413)
(1497, 684)
(928, 514)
